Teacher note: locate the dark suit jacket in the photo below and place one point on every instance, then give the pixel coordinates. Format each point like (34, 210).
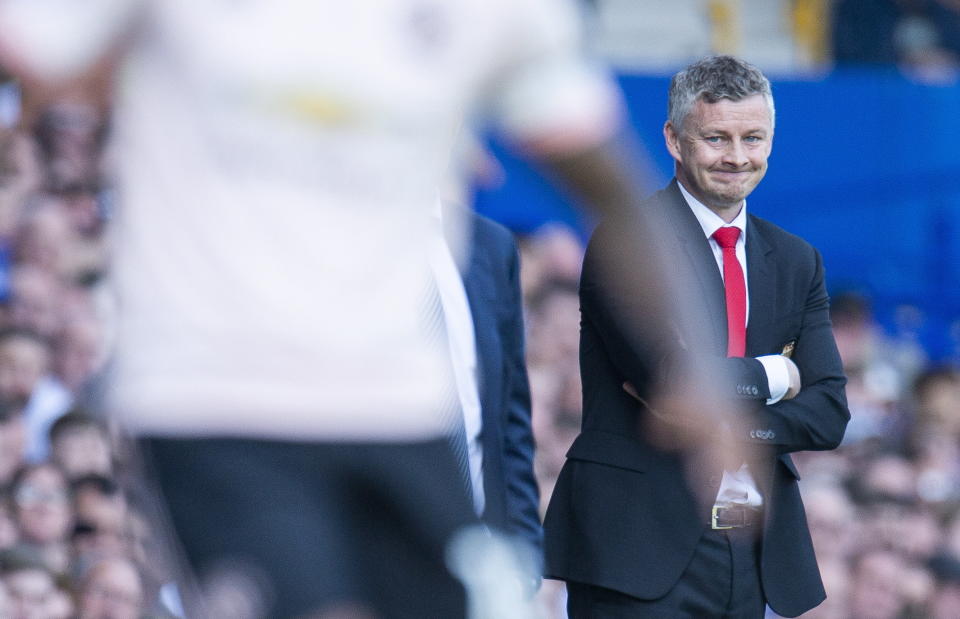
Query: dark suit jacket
(622, 515)
(491, 277)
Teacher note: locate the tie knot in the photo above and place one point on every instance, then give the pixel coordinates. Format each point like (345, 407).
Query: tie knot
(727, 236)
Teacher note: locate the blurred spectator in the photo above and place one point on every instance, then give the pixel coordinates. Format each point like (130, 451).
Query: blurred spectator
(554, 323)
(19, 176)
(863, 31)
(80, 445)
(875, 588)
(29, 584)
(937, 396)
(79, 351)
(554, 426)
(35, 301)
(553, 253)
(52, 236)
(836, 581)
(112, 589)
(24, 374)
(82, 205)
(24, 358)
(71, 135)
(878, 369)
(921, 36)
(832, 519)
(41, 501)
(8, 526)
(60, 605)
(150, 552)
(100, 515)
(13, 439)
(927, 40)
(945, 602)
(886, 478)
(934, 438)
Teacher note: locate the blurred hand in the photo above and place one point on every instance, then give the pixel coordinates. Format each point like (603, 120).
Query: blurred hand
(692, 421)
(690, 417)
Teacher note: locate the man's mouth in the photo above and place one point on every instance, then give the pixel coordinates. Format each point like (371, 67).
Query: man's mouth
(730, 174)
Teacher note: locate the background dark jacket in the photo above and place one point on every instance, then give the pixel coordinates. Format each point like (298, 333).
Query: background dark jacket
(491, 277)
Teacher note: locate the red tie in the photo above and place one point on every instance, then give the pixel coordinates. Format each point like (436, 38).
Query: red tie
(736, 292)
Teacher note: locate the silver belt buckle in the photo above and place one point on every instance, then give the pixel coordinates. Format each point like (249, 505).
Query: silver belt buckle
(713, 519)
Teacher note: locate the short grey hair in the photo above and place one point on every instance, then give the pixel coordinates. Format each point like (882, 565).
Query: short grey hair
(713, 79)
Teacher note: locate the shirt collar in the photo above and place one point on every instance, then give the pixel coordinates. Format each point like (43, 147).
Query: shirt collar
(710, 221)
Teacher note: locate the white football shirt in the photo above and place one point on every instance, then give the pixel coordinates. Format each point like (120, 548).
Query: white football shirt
(277, 167)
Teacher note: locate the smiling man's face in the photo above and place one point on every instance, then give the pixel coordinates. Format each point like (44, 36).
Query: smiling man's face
(721, 151)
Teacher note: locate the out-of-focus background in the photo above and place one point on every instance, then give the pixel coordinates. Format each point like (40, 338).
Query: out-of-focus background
(866, 166)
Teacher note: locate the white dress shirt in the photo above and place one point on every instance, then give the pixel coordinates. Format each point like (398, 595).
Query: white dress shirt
(461, 339)
(739, 487)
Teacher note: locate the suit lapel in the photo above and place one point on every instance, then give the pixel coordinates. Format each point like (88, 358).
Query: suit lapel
(762, 278)
(696, 248)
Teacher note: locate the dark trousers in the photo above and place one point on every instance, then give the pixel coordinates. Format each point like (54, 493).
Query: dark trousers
(721, 581)
(313, 525)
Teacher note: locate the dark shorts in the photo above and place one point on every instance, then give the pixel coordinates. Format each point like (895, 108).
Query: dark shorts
(317, 524)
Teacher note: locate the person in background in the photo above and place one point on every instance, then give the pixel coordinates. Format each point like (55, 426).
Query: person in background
(80, 445)
(25, 375)
(483, 315)
(111, 589)
(41, 499)
(29, 583)
(13, 439)
(644, 521)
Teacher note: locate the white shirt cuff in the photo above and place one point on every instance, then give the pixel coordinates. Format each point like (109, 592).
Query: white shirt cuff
(778, 379)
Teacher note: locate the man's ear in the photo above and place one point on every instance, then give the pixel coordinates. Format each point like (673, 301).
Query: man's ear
(672, 139)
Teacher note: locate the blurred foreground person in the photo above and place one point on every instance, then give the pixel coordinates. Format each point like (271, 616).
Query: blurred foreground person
(277, 166)
(643, 522)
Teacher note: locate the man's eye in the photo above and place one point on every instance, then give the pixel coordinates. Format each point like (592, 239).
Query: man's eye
(752, 139)
(713, 139)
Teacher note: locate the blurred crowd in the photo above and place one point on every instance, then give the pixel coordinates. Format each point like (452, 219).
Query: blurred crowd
(76, 538)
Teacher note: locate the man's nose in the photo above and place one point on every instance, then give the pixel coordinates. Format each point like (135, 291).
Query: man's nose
(736, 154)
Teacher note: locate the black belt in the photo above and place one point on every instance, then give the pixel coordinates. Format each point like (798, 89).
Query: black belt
(733, 516)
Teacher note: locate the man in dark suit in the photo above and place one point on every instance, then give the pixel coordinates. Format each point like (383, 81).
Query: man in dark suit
(642, 523)
(500, 441)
